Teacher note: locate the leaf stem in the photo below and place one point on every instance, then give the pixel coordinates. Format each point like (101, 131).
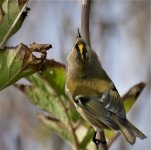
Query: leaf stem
(75, 140)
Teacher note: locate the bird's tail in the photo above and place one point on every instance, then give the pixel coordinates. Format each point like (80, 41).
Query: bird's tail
(130, 132)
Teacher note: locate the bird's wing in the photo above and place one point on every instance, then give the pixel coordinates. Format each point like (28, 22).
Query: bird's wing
(111, 100)
(103, 107)
(96, 110)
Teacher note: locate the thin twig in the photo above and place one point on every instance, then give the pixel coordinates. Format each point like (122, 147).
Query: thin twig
(75, 140)
(100, 136)
(85, 13)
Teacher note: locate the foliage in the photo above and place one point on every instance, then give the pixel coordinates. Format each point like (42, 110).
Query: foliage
(17, 62)
(12, 15)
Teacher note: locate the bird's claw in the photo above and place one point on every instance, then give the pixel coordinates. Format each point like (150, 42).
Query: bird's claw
(97, 141)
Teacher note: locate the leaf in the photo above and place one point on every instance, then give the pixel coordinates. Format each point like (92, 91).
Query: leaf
(75, 116)
(12, 20)
(17, 62)
(88, 137)
(47, 92)
(44, 96)
(56, 126)
(131, 96)
(54, 73)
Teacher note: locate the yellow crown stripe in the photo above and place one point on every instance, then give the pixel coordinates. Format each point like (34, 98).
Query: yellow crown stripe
(81, 46)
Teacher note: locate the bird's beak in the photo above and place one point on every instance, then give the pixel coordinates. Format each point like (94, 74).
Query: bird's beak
(79, 35)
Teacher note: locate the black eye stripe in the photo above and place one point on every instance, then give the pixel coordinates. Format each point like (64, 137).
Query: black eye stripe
(78, 51)
(77, 47)
(81, 100)
(84, 52)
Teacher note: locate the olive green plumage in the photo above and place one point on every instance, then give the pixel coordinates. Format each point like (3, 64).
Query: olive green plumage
(94, 93)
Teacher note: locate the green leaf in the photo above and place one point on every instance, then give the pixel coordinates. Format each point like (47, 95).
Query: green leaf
(56, 126)
(47, 98)
(17, 62)
(44, 96)
(131, 96)
(54, 73)
(88, 137)
(47, 92)
(74, 115)
(129, 103)
(12, 19)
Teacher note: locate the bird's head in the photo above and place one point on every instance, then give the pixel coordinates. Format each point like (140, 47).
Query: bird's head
(82, 58)
(81, 54)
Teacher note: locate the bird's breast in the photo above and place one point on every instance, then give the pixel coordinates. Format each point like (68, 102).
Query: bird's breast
(86, 87)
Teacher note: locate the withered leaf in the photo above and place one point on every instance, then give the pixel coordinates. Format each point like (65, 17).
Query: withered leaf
(17, 62)
(40, 47)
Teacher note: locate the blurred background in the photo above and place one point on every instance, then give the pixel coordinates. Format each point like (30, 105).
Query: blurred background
(120, 34)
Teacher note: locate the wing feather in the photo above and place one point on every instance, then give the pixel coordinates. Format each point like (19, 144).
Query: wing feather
(112, 102)
(97, 111)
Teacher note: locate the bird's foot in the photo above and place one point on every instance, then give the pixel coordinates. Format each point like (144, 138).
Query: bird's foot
(98, 141)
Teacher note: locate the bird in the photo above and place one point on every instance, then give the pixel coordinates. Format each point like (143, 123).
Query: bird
(94, 94)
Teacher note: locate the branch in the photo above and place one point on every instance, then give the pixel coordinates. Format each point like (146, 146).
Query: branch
(100, 137)
(75, 140)
(85, 13)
